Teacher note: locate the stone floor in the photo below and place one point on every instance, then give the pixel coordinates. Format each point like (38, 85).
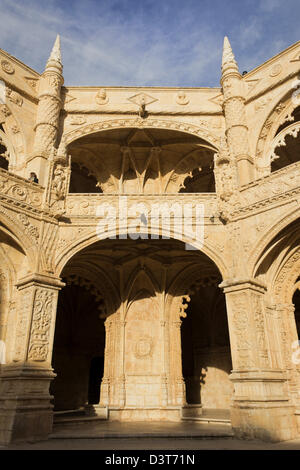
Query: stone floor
(149, 436)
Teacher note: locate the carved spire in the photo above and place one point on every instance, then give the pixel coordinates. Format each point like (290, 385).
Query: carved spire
(49, 106)
(228, 59)
(235, 117)
(54, 60)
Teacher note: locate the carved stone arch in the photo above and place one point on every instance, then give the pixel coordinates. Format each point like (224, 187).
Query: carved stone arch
(15, 230)
(284, 283)
(140, 271)
(182, 287)
(14, 133)
(279, 114)
(88, 239)
(182, 164)
(139, 295)
(200, 132)
(99, 172)
(266, 238)
(96, 276)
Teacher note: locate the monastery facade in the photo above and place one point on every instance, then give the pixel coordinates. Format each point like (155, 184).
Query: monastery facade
(132, 319)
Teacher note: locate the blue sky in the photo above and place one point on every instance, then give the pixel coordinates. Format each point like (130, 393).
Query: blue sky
(147, 42)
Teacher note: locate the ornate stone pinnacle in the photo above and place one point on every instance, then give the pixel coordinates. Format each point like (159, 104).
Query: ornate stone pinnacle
(228, 58)
(55, 56)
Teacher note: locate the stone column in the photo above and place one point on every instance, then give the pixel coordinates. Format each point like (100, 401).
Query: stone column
(108, 361)
(289, 346)
(176, 365)
(261, 406)
(25, 408)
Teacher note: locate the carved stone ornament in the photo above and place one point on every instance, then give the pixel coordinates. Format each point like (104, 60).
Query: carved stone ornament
(143, 347)
(182, 98)
(59, 180)
(101, 97)
(77, 120)
(142, 99)
(41, 323)
(14, 97)
(7, 67)
(276, 70)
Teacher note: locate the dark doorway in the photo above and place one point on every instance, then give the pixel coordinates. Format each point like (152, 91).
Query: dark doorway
(206, 357)
(96, 374)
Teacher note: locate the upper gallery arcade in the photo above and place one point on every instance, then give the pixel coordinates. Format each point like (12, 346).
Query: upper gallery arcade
(142, 328)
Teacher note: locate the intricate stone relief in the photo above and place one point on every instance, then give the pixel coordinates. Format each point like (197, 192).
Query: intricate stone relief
(41, 322)
(28, 227)
(260, 330)
(20, 190)
(279, 186)
(14, 97)
(240, 320)
(23, 319)
(226, 181)
(5, 111)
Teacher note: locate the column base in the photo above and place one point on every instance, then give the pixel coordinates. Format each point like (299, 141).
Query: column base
(261, 407)
(266, 421)
(26, 413)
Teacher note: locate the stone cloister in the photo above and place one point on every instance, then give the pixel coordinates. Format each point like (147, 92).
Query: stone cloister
(140, 321)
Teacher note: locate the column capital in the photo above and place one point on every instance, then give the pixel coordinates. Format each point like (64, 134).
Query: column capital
(233, 285)
(42, 280)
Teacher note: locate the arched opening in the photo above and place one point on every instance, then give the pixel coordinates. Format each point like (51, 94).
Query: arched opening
(206, 357)
(296, 302)
(287, 150)
(141, 283)
(148, 161)
(95, 377)
(13, 266)
(4, 156)
(201, 181)
(82, 181)
(79, 344)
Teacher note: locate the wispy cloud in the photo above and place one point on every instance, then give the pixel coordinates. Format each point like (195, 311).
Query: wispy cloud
(146, 42)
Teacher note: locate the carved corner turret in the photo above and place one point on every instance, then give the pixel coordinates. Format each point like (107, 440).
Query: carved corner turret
(48, 111)
(235, 117)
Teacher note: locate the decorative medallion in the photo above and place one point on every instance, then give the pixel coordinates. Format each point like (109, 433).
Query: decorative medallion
(7, 67)
(143, 347)
(101, 97)
(276, 70)
(181, 98)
